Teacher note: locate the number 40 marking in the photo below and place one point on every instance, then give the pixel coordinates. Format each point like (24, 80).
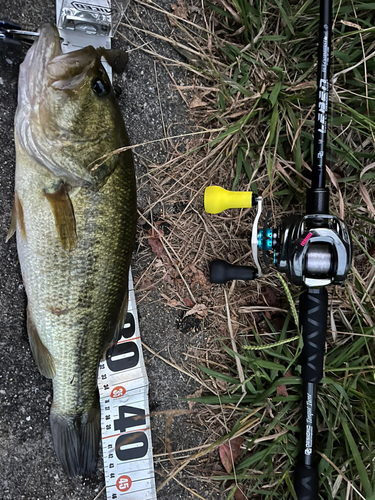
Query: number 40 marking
(135, 444)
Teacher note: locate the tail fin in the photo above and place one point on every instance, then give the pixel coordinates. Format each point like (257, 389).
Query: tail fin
(76, 441)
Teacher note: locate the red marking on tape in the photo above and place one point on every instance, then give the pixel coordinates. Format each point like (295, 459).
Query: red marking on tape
(118, 392)
(306, 239)
(127, 340)
(123, 483)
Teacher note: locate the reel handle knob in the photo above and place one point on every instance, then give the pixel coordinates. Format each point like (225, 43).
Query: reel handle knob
(221, 272)
(218, 199)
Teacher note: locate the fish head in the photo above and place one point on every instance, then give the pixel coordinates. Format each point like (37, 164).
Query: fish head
(67, 116)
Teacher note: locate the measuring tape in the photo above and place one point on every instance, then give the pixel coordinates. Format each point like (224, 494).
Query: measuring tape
(126, 433)
(122, 377)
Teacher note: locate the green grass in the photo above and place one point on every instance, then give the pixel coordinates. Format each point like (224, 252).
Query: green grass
(346, 417)
(256, 67)
(262, 62)
(277, 72)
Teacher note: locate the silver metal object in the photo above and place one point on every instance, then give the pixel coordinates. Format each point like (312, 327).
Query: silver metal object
(254, 236)
(319, 260)
(99, 18)
(91, 24)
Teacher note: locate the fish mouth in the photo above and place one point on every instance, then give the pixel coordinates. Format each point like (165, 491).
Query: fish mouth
(35, 123)
(46, 48)
(52, 89)
(48, 45)
(32, 78)
(47, 66)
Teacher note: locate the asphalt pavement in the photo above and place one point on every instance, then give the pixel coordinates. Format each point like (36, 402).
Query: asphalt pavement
(28, 466)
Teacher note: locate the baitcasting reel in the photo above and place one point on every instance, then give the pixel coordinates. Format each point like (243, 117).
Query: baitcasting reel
(312, 250)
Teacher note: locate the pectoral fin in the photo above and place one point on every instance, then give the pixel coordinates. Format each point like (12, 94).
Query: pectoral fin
(63, 213)
(13, 224)
(41, 354)
(17, 215)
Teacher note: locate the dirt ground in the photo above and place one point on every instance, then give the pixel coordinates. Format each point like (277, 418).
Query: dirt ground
(28, 466)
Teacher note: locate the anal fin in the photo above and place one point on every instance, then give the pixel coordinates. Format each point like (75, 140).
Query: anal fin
(41, 354)
(63, 213)
(118, 323)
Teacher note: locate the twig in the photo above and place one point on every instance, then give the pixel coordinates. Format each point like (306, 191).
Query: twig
(341, 474)
(210, 448)
(176, 367)
(161, 109)
(100, 492)
(241, 374)
(146, 143)
(188, 489)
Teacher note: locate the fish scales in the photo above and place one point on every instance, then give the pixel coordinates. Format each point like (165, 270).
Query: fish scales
(75, 225)
(70, 290)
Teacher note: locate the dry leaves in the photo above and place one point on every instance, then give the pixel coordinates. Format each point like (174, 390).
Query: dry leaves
(188, 302)
(196, 394)
(229, 452)
(239, 495)
(199, 277)
(146, 285)
(171, 302)
(281, 389)
(180, 10)
(167, 267)
(199, 309)
(155, 242)
(197, 102)
(364, 193)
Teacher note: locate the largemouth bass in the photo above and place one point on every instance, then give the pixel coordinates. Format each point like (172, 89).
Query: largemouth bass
(75, 221)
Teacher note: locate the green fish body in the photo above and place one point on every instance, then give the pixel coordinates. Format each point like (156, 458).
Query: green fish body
(75, 219)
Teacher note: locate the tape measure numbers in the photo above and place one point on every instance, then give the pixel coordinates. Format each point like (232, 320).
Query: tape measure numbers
(126, 434)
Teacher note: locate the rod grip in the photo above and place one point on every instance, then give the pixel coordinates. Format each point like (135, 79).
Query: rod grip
(313, 311)
(306, 482)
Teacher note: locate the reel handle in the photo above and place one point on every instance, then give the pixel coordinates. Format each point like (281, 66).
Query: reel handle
(218, 199)
(221, 272)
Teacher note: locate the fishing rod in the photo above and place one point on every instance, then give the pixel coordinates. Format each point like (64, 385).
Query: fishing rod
(12, 34)
(313, 250)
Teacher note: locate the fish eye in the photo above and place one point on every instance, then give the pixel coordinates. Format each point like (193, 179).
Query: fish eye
(100, 87)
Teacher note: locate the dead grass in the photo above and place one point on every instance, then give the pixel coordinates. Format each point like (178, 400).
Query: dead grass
(255, 133)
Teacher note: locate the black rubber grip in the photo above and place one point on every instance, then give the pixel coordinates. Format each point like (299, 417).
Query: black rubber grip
(317, 201)
(313, 310)
(221, 272)
(306, 482)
